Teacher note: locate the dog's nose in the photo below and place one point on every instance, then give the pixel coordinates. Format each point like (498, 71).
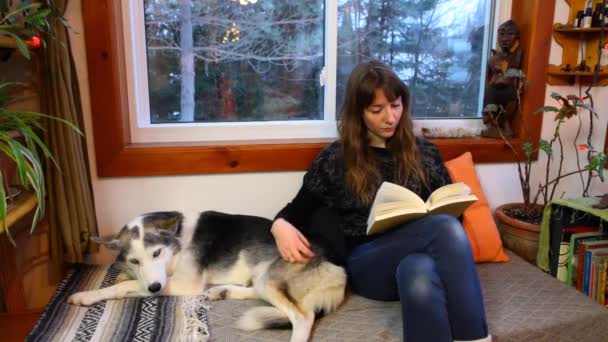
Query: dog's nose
(154, 287)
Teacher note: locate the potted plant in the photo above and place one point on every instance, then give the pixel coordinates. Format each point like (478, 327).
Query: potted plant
(520, 222)
(20, 139)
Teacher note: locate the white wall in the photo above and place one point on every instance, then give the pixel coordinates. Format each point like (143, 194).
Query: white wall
(572, 186)
(118, 199)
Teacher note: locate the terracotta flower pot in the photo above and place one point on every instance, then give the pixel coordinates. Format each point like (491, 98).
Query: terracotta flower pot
(519, 236)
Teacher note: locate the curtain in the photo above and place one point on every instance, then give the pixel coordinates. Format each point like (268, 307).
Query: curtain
(71, 210)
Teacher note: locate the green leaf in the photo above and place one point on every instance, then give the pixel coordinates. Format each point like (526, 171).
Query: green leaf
(527, 147)
(4, 93)
(601, 157)
(20, 45)
(22, 9)
(513, 72)
(3, 209)
(41, 115)
(492, 108)
(556, 96)
(38, 16)
(545, 147)
(585, 105)
(16, 147)
(547, 109)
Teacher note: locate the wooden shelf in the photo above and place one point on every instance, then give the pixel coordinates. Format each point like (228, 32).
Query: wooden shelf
(23, 205)
(7, 42)
(572, 40)
(557, 28)
(558, 77)
(577, 73)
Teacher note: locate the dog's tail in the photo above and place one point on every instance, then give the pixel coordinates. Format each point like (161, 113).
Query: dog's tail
(263, 317)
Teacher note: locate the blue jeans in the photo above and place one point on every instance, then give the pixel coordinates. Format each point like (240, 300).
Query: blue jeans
(426, 264)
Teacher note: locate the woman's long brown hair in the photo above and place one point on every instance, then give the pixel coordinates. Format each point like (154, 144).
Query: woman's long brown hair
(362, 176)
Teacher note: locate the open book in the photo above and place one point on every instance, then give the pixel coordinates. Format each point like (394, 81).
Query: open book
(395, 204)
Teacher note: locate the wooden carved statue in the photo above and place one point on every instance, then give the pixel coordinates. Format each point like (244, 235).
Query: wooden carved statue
(503, 89)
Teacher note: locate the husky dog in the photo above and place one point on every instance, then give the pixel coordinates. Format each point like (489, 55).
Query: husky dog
(172, 254)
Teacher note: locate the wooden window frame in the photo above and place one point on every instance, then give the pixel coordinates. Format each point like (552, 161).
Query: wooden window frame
(118, 156)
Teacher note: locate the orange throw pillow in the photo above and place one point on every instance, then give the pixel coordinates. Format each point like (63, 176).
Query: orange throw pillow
(477, 220)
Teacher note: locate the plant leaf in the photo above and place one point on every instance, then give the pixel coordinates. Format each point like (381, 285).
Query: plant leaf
(21, 9)
(492, 108)
(16, 147)
(20, 45)
(545, 147)
(547, 109)
(3, 209)
(38, 16)
(599, 160)
(514, 72)
(527, 147)
(585, 105)
(41, 115)
(573, 97)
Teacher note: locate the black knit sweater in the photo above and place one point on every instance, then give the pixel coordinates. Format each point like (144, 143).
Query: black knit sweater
(324, 185)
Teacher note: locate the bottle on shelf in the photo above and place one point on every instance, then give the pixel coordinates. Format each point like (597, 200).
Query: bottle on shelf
(598, 15)
(579, 18)
(588, 18)
(604, 56)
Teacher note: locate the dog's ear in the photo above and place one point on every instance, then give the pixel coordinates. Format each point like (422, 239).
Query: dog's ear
(165, 220)
(117, 241)
(111, 242)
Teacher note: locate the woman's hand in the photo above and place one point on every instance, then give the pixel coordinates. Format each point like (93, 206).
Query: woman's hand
(292, 245)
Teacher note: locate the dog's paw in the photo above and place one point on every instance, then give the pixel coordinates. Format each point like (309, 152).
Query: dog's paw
(123, 276)
(86, 298)
(216, 293)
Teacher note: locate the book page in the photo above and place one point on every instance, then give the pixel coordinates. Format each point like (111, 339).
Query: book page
(390, 220)
(448, 192)
(454, 206)
(392, 199)
(390, 192)
(384, 208)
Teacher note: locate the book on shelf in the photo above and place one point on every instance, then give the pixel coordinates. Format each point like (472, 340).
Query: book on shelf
(602, 264)
(564, 263)
(573, 248)
(598, 265)
(588, 275)
(394, 205)
(584, 245)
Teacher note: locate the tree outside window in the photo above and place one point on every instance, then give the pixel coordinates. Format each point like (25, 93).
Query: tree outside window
(261, 60)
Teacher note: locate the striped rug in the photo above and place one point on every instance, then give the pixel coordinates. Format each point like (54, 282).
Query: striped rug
(132, 319)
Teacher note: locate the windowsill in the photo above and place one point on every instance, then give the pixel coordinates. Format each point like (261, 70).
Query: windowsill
(262, 156)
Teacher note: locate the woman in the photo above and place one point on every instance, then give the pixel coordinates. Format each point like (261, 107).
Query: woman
(426, 264)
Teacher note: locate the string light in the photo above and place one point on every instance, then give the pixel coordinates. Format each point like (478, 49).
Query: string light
(246, 2)
(232, 34)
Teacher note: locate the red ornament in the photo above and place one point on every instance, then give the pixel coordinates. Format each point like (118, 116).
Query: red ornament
(34, 42)
(582, 147)
(606, 46)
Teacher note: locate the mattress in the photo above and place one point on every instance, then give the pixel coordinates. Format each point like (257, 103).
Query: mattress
(522, 304)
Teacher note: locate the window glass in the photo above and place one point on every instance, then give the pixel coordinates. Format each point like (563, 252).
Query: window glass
(436, 46)
(226, 60)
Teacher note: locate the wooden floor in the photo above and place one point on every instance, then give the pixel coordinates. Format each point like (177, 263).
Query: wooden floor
(16, 326)
(34, 278)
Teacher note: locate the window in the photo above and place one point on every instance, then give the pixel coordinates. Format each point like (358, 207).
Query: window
(438, 47)
(119, 152)
(276, 69)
